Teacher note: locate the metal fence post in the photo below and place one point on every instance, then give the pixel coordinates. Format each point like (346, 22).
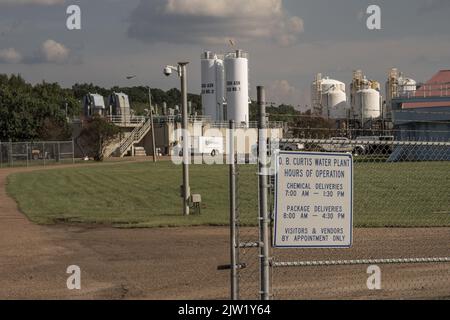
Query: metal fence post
(263, 196)
(27, 150)
(233, 220)
(43, 152)
(73, 151)
(10, 153)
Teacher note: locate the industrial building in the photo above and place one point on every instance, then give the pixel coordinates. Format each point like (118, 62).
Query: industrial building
(362, 110)
(225, 96)
(94, 104)
(119, 105)
(419, 112)
(133, 128)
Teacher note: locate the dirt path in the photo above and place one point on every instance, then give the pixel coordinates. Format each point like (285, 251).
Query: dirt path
(115, 264)
(181, 263)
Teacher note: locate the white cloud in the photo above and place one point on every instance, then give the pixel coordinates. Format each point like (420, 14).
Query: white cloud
(214, 22)
(225, 8)
(281, 91)
(54, 52)
(36, 2)
(10, 55)
(50, 51)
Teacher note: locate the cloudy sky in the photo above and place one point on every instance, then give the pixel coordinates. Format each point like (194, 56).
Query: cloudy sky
(289, 41)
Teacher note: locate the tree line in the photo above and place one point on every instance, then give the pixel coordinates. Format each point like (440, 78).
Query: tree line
(43, 111)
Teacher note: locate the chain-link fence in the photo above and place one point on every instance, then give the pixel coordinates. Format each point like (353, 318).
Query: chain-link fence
(247, 231)
(401, 227)
(383, 134)
(25, 154)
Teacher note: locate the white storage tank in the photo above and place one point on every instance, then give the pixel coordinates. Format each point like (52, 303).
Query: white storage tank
(337, 104)
(407, 87)
(236, 77)
(212, 85)
(328, 98)
(367, 104)
(328, 84)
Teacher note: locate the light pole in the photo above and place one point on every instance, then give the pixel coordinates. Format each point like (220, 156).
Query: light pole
(182, 73)
(152, 123)
(151, 119)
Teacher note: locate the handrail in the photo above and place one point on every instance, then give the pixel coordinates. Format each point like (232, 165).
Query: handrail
(126, 120)
(125, 144)
(429, 90)
(174, 118)
(365, 142)
(251, 125)
(136, 135)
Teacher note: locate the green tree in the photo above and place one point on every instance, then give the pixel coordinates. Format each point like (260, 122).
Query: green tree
(30, 113)
(95, 137)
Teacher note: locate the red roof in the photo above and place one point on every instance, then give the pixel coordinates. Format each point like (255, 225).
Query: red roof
(442, 76)
(437, 86)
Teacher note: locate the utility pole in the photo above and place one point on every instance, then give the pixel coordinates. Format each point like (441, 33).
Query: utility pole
(186, 142)
(152, 123)
(263, 196)
(233, 216)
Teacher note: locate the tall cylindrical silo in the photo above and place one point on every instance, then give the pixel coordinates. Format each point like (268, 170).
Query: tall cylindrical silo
(212, 86)
(220, 89)
(367, 104)
(337, 104)
(333, 99)
(236, 77)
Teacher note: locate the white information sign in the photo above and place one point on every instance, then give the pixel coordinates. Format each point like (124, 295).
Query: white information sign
(313, 200)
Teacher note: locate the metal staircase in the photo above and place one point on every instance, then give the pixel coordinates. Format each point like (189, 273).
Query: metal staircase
(121, 148)
(135, 137)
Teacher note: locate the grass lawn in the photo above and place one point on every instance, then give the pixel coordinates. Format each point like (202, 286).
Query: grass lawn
(147, 194)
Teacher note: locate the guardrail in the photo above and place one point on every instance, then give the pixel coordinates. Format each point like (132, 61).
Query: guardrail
(126, 120)
(367, 142)
(250, 125)
(177, 118)
(437, 90)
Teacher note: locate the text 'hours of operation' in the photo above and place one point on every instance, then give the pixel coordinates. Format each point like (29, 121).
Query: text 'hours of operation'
(313, 200)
